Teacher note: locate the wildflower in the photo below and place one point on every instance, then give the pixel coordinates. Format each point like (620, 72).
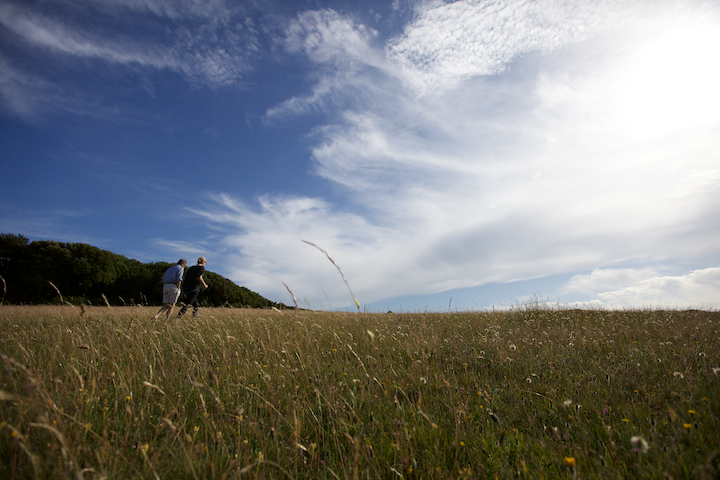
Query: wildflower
(716, 371)
(567, 403)
(423, 380)
(687, 426)
(691, 412)
(528, 380)
(678, 375)
(512, 347)
(639, 444)
(625, 420)
(569, 461)
(371, 335)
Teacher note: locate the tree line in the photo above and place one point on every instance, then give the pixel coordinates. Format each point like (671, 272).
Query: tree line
(40, 272)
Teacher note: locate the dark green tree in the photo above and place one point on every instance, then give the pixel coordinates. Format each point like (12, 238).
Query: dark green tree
(85, 273)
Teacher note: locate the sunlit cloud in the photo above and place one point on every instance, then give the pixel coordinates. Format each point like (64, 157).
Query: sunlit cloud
(448, 43)
(542, 150)
(644, 288)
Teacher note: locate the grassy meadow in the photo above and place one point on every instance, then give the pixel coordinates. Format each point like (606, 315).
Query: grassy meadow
(533, 392)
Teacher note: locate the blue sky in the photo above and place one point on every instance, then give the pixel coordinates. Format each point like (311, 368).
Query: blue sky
(446, 155)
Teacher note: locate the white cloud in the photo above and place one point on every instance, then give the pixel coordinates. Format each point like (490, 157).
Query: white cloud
(273, 251)
(644, 288)
(215, 51)
(448, 43)
(50, 34)
(339, 48)
(181, 247)
(327, 37)
(577, 158)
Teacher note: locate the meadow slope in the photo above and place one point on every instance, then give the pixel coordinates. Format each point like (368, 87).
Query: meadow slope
(532, 392)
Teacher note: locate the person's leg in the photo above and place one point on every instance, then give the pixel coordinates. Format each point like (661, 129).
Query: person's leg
(167, 300)
(196, 307)
(164, 307)
(173, 294)
(190, 300)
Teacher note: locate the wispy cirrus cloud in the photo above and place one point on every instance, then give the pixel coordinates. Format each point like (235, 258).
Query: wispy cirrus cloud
(218, 10)
(180, 247)
(213, 47)
(448, 43)
(339, 48)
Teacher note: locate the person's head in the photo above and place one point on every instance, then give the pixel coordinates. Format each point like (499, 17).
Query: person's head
(202, 261)
(182, 262)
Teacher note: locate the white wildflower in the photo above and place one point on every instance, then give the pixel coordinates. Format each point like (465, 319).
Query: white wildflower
(639, 444)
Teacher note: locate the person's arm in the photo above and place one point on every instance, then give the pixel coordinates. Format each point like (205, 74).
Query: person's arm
(203, 282)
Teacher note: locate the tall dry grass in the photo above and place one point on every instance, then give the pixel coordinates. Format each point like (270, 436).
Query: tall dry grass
(237, 393)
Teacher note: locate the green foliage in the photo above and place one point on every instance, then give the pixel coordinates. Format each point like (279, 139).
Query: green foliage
(83, 273)
(241, 393)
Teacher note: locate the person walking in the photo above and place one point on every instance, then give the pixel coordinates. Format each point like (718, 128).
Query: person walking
(192, 287)
(172, 278)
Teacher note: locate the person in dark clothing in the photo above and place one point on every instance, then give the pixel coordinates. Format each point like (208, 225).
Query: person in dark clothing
(191, 286)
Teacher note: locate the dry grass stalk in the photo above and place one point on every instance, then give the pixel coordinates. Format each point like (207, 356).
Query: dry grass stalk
(58, 292)
(357, 304)
(291, 294)
(4, 290)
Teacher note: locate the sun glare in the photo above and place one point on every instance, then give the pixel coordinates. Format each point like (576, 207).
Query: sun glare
(672, 81)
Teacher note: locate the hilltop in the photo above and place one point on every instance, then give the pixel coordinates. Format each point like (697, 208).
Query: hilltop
(83, 273)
